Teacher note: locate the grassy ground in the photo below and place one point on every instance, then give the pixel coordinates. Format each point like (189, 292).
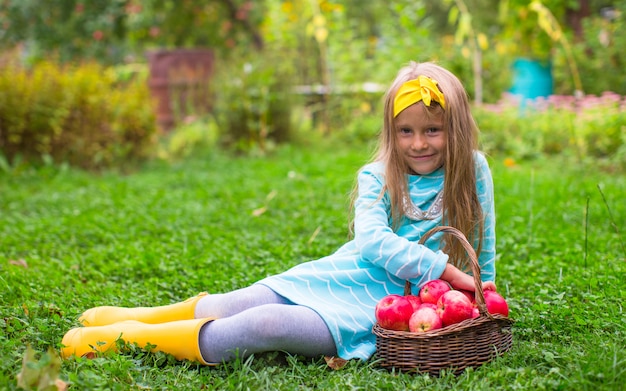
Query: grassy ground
(71, 240)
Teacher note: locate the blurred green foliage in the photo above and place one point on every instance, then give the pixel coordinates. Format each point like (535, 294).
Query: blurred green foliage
(324, 64)
(589, 129)
(81, 115)
(363, 41)
(254, 102)
(114, 31)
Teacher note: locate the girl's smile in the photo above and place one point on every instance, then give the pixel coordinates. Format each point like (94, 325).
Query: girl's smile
(421, 138)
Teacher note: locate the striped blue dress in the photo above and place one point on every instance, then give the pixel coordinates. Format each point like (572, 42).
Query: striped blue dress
(343, 288)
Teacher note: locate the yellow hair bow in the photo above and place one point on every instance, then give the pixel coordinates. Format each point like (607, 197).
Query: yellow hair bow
(423, 88)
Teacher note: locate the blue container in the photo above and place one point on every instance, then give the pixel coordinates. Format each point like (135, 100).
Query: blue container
(532, 79)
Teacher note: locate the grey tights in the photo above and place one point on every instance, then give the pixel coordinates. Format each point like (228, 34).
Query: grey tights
(256, 319)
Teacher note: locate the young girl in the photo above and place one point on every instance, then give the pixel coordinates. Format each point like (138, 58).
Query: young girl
(426, 173)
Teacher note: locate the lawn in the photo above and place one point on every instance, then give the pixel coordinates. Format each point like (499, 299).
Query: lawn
(70, 240)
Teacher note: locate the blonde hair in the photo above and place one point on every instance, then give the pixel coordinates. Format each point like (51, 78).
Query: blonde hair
(461, 207)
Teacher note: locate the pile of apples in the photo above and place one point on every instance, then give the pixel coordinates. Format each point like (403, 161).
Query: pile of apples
(437, 305)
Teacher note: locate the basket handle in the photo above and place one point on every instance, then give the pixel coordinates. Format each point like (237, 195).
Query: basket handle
(473, 260)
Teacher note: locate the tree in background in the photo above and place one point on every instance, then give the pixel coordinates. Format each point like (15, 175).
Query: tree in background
(115, 31)
(333, 42)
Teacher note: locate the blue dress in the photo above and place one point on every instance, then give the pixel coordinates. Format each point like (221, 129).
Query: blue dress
(344, 288)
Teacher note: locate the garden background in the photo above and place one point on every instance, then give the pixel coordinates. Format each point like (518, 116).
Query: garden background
(153, 149)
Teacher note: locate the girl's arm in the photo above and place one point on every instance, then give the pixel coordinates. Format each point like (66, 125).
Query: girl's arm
(407, 259)
(460, 280)
(380, 245)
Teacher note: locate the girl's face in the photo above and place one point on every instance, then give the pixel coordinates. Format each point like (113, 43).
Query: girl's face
(420, 138)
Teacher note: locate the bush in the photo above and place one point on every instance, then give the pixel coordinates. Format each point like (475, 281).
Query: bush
(79, 114)
(591, 127)
(194, 135)
(254, 103)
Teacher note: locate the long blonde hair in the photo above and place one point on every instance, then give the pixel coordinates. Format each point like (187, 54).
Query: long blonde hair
(461, 207)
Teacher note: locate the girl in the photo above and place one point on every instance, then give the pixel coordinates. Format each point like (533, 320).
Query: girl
(427, 172)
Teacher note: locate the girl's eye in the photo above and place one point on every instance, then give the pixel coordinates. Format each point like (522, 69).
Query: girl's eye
(432, 130)
(405, 130)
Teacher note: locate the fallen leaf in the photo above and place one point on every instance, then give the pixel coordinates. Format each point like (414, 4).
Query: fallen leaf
(259, 212)
(335, 363)
(60, 384)
(27, 378)
(315, 233)
(89, 355)
(19, 262)
(270, 196)
(42, 374)
(54, 310)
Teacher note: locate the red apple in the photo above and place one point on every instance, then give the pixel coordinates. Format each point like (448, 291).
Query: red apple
(429, 305)
(393, 312)
(475, 313)
(495, 303)
(424, 319)
(432, 291)
(454, 307)
(415, 300)
(470, 295)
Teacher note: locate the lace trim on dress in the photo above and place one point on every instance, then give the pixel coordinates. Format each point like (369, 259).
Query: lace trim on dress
(415, 213)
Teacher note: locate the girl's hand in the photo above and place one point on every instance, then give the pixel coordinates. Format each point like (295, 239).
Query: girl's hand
(459, 280)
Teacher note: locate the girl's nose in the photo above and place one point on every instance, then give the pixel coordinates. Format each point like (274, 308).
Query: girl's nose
(419, 142)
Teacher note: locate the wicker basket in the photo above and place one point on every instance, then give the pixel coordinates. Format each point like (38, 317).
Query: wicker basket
(456, 347)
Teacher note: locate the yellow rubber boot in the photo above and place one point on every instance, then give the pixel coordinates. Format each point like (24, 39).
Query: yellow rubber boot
(178, 338)
(101, 316)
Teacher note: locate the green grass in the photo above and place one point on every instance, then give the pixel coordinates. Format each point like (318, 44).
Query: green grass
(165, 232)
